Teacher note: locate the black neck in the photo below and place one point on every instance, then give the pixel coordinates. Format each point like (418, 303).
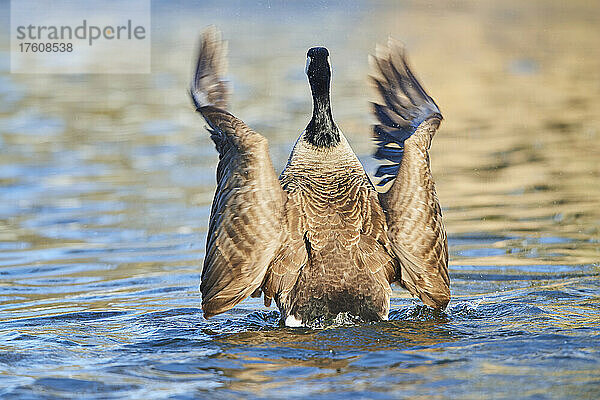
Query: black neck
(321, 130)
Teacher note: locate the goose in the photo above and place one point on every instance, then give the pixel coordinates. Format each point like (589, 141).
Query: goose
(319, 239)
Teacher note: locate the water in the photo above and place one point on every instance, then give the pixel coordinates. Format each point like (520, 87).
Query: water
(106, 183)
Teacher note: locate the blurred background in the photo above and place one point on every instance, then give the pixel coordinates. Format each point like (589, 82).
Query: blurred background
(106, 183)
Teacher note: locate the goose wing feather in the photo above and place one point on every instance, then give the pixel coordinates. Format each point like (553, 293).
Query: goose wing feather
(408, 120)
(247, 227)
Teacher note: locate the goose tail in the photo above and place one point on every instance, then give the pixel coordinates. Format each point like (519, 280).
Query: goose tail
(208, 87)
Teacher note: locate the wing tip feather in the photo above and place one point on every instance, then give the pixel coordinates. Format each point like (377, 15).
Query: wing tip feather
(403, 104)
(208, 88)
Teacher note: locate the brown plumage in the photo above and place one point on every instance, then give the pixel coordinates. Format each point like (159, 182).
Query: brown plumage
(413, 213)
(320, 240)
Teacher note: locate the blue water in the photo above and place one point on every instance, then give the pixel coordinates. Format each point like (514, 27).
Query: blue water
(106, 184)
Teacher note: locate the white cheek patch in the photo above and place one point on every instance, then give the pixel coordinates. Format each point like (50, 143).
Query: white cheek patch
(329, 63)
(307, 64)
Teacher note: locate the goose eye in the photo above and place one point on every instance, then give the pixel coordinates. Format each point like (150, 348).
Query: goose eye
(307, 64)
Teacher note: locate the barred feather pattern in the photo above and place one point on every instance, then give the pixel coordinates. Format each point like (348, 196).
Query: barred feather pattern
(247, 225)
(348, 268)
(415, 225)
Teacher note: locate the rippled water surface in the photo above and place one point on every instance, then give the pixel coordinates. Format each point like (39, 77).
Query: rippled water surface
(106, 183)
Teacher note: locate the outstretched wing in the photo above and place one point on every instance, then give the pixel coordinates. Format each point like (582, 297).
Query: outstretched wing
(247, 225)
(408, 120)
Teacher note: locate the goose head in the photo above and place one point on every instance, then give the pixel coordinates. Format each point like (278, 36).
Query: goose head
(321, 130)
(318, 70)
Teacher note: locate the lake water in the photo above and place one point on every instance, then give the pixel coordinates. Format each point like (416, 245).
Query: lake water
(106, 183)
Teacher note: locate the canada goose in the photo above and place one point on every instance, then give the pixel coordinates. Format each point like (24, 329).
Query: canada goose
(320, 240)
